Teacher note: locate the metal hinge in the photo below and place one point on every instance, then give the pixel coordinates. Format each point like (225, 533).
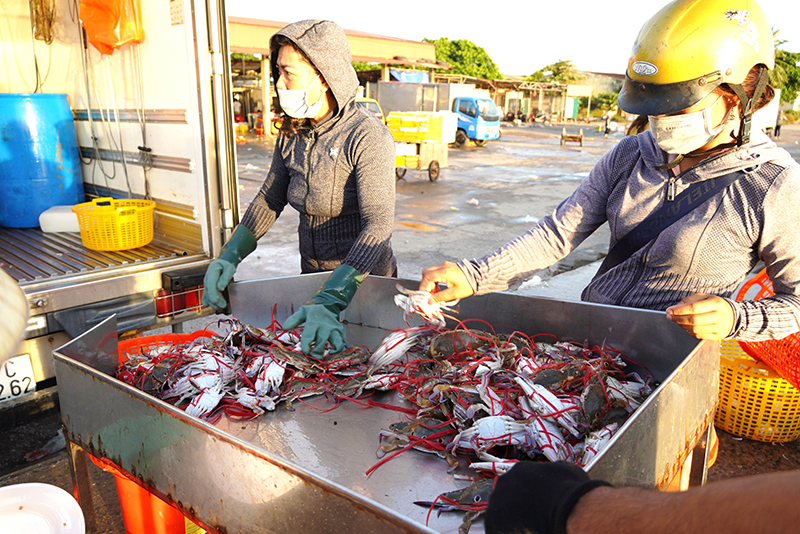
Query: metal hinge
(227, 219)
(217, 64)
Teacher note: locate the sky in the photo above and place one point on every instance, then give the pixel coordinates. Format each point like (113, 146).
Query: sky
(520, 36)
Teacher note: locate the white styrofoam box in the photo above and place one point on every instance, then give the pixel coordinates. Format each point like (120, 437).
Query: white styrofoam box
(59, 219)
(449, 126)
(405, 149)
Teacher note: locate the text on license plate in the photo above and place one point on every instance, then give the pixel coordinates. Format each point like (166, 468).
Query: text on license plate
(16, 378)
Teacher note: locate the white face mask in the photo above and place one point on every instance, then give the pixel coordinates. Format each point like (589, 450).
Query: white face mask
(681, 134)
(295, 102)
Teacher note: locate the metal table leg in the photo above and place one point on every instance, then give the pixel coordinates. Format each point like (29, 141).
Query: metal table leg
(699, 467)
(81, 485)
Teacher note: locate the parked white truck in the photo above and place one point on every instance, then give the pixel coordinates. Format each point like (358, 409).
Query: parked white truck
(153, 120)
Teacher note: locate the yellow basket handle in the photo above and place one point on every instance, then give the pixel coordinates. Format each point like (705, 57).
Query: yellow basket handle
(756, 366)
(103, 204)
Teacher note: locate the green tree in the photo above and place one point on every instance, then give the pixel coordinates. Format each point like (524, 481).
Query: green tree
(465, 57)
(786, 74)
(561, 71)
(245, 57)
(602, 103)
(360, 66)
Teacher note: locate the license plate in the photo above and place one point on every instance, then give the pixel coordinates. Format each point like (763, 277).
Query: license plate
(16, 378)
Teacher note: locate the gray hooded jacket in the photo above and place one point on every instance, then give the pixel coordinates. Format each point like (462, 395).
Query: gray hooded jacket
(338, 174)
(710, 250)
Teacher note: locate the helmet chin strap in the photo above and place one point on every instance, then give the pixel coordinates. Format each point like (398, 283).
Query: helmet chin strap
(680, 157)
(745, 121)
(748, 104)
(672, 164)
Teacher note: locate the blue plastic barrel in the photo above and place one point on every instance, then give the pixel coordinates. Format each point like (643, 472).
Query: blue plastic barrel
(39, 158)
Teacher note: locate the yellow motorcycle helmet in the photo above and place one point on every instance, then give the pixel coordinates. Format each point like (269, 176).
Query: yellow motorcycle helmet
(689, 48)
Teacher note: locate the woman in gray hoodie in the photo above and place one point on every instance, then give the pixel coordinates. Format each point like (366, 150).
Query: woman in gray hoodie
(334, 163)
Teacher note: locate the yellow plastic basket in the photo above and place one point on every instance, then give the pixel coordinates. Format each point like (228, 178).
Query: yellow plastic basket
(415, 127)
(754, 401)
(109, 224)
(406, 161)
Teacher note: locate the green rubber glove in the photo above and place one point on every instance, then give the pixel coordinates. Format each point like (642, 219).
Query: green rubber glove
(220, 273)
(321, 313)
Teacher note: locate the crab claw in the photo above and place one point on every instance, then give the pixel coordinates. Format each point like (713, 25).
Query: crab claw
(418, 302)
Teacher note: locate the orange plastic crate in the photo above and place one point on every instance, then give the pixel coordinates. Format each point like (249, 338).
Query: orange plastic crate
(148, 343)
(783, 355)
(144, 513)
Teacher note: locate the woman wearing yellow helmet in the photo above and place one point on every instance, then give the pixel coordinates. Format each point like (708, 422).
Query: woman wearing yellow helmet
(689, 51)
(694, 203)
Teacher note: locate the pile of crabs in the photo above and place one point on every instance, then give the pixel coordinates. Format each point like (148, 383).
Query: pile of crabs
(493, 398)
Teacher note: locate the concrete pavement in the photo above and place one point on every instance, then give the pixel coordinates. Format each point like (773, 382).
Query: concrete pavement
(483, 198)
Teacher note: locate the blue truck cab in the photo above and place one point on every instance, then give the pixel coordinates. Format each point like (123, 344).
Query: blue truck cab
(478, 120)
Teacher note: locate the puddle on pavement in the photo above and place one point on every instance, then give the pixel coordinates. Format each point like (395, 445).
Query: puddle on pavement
(551, 148)
(527, 219)
(581, 157)
(512, 174)
(415, 226)
(577, 176)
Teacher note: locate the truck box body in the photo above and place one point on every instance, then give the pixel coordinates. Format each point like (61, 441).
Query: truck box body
(153, 120)
(766, 117)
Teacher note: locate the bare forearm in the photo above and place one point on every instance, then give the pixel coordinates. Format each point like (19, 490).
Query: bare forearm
(763, 503)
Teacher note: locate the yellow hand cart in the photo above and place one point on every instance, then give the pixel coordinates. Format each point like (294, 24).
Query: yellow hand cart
(430, 156)
(419, 142)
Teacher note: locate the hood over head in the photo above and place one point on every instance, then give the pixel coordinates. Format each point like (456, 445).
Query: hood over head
(325, 45)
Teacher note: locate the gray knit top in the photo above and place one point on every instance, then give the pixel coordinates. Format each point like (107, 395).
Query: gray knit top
(338, 174)
(710, 250)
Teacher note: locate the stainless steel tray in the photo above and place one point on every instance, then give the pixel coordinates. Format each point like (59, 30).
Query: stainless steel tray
(304, 470)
